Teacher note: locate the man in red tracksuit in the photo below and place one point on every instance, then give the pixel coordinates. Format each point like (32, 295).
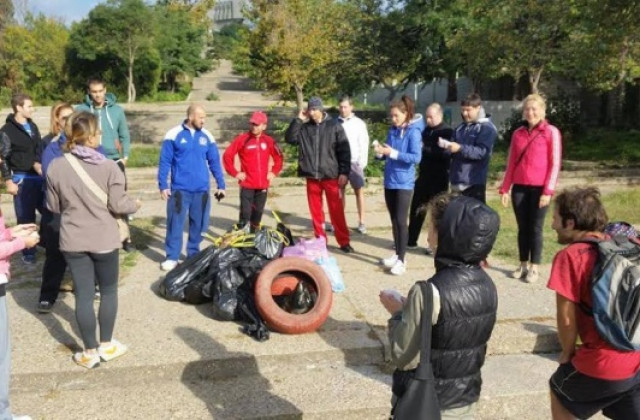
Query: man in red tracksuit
(254, 148)
(324, 159)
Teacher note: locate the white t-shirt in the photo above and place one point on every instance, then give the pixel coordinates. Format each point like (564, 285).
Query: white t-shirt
(358, 136)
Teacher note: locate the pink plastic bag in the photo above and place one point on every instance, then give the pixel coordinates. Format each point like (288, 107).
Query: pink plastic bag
(309, 249)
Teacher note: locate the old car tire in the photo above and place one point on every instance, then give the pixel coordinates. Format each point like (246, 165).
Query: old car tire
(282, 271)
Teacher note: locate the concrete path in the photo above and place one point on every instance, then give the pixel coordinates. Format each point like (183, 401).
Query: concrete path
(183, 364)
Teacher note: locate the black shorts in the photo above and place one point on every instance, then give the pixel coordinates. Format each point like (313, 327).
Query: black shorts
(584, 396)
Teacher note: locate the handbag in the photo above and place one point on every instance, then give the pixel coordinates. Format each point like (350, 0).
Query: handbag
(419, 400)
(123, 226)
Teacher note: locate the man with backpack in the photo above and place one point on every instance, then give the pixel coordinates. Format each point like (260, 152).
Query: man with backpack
(597, 375)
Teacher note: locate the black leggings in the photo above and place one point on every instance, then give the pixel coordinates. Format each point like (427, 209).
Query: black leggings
(398, 205)
(530, 219)
(86, 268)
(427, 187)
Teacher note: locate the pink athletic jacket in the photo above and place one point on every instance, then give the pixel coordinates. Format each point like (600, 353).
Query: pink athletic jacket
(534, 158)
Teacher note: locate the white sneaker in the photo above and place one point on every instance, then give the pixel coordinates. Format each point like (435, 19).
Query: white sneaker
(362, 228)
(21, 418)
(398, 269)
(389, 262)
(168, 265)
(110, 352)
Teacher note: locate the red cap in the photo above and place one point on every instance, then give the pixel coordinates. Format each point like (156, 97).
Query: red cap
(258, 117)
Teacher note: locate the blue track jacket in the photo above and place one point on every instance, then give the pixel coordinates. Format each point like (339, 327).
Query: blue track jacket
(189, 154)
(400, 173)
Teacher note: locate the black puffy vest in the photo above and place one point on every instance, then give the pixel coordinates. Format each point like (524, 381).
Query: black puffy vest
(468, 300)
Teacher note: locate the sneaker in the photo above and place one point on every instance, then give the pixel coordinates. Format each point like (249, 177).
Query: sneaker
(428, 251)
(398, 269)
(96, 295)
(29, 259)
(362, 228)
(168, 265)
(389, 262)
(328, 227)
(21, 418)
(89, 361)
(520, 273)
(412, 246)
(110, 352)
(44, 307)
(347, 249)
(532, 276)
(127, 246)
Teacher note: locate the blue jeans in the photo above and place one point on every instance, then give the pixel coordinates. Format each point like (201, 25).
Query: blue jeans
(5, 360)
(180, 204)
(29, 199)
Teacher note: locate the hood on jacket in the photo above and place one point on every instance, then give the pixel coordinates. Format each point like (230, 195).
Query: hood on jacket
(417, 122)
(467, 231)
(109, 100)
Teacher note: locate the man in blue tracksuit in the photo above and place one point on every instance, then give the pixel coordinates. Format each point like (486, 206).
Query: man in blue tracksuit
(471, 149)
(189, 152)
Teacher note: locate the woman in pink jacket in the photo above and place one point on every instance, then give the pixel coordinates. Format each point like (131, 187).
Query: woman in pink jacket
(532, 173)
(11, 241)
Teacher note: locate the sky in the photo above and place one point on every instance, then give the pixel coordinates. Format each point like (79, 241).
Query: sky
(68, 10)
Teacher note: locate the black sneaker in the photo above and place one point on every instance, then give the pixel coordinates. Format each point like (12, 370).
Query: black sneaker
(44, 307)
(127, 246)
(347, 249)
(412, 246)
(428, 251)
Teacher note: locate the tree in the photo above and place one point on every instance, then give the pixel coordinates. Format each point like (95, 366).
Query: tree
(32, 58)
(180, 42)
(295, 45)
(6, 13)
(120, 29)
(604, 52)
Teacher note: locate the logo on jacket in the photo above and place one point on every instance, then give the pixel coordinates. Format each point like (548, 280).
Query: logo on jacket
(183, 141)
(263, 146)
(203, 141)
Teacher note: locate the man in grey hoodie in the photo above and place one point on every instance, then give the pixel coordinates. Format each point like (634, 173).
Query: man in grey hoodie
(115, 139)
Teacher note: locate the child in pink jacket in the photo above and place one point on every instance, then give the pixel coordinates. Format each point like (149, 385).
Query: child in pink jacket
(11, 241)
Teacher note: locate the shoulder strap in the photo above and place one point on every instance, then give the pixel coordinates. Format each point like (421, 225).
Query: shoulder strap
(525, 149)
(424, 368)
(84, 177)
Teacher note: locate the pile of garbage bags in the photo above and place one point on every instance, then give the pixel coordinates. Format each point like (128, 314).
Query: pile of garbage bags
(225, 276)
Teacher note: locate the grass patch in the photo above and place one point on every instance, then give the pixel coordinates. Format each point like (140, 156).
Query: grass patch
(144, 155)
(621, 206)
(213, 97)
(605, 145)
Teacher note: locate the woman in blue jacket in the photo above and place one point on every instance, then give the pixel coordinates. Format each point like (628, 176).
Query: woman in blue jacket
(402, 153)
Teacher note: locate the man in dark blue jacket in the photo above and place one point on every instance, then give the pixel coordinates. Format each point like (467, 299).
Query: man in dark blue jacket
(471, 149)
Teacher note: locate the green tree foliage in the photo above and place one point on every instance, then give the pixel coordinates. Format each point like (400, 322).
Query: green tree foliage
(180, 42)
(117, 32)
(6, 13)
(32, 58)
(295, 45)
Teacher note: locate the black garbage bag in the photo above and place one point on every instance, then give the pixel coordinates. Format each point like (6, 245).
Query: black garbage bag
(198, 291)
(280, 227)
(254, 326)
(269, 242)
(225, 294)
(194, 268)
(231, 270)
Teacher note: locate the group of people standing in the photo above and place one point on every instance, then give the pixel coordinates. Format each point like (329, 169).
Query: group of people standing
(74, 177)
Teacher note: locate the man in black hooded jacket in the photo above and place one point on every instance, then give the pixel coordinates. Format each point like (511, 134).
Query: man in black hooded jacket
(465, 302)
